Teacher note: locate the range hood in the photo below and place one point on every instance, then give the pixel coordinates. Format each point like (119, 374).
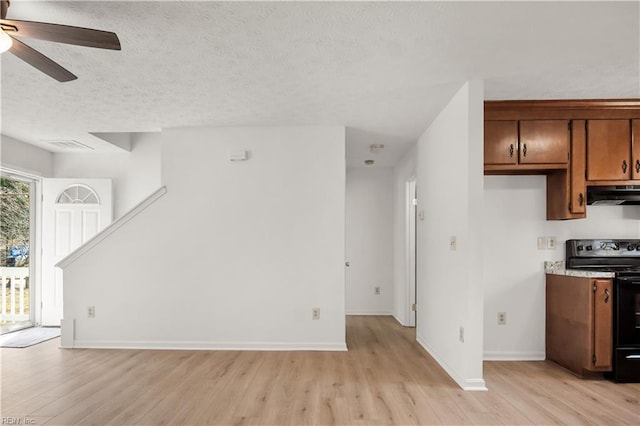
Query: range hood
(613, 195)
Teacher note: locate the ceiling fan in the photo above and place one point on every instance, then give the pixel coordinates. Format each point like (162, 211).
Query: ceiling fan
(12, 28)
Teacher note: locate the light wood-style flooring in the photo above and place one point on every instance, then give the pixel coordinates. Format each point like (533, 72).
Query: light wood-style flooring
(384, 378)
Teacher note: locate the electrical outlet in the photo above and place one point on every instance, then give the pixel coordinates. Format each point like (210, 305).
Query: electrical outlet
(453, 244)
(502, 318)
(315, 313)
(551, 243)
(91, 312)
(462, 334)
(377, 291)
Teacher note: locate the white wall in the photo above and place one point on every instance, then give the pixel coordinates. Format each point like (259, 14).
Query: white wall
(450, 293)
(235, 255)
(404, 170)
(134, 174)
(369, 241)
(514, 281)
(25, 157)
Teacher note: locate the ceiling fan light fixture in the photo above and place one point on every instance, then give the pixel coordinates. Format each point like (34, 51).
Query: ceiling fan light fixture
(5, 41)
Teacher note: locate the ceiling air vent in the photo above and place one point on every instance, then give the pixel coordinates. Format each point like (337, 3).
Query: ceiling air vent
(70, 145)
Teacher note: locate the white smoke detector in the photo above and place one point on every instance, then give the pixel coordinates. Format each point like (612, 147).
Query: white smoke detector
(375, 148)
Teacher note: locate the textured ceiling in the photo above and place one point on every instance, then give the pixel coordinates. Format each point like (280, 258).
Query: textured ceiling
(383, 69)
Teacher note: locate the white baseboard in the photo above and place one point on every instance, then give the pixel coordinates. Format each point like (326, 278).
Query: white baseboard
(401, 323)
(381, 313)
(398, 320)
(513, 356)
(472, 384)
(216, 346)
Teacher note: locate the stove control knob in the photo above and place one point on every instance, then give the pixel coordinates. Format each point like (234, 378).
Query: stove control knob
(589, 248)
(580, 248)
(630, 247)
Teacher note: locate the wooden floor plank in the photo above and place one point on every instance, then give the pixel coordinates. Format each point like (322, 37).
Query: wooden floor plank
(384, 378)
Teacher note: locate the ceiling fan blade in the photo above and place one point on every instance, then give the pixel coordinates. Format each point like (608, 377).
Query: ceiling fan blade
(62, 33)
(41, 62)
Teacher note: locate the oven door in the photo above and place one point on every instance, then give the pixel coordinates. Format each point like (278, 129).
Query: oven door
(626, 356)
(628, 312)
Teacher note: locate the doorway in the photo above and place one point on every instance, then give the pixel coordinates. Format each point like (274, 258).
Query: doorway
(74, 211)
(17, 244)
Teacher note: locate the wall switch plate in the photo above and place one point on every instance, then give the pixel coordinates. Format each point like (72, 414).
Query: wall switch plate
(315, 313)
(502, 318)
(377, 291)
(461, 334)
(91, 312)
(551, 243)
(453, 243)
(542, 243)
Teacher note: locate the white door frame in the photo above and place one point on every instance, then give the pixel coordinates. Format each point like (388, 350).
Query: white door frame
(35, 237)
(410, 250)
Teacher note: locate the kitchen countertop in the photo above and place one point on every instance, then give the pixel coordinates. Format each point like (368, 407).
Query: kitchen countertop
(558, 268)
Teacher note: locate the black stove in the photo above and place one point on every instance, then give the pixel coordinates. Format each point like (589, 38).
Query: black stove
(603, 255)
(622, 257)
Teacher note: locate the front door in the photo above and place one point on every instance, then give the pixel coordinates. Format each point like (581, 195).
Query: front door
(74, 210)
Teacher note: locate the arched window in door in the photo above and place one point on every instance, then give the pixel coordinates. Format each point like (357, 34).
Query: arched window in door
(78, 194)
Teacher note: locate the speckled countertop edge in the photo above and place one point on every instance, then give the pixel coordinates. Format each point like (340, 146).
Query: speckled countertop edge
(558, 268)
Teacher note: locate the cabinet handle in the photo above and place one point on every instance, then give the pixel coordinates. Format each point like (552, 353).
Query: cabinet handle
(524, 150)
(637, 166)
(511, 151)
(606, 295)
(580, 199)
(624, 166)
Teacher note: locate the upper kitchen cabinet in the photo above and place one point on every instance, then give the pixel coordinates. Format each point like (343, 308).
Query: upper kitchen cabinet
(635, 150)
(609, 150)
(516, 146)
(501, 142)
(566, 189)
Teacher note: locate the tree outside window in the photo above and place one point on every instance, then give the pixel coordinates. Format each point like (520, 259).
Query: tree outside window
(14, 223)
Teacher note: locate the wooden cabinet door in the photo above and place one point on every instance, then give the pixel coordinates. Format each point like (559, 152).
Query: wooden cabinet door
(608, 150)
(544, 142)
(578, 201)
(569, 321)
(635, 150)
(500, 142)
(602, 323)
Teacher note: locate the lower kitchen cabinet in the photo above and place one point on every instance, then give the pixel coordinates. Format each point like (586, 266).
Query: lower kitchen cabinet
(579, 318)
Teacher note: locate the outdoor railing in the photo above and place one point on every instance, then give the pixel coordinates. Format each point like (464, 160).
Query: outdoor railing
(15, 294)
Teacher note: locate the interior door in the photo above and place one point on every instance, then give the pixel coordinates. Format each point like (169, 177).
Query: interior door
(74, 210)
